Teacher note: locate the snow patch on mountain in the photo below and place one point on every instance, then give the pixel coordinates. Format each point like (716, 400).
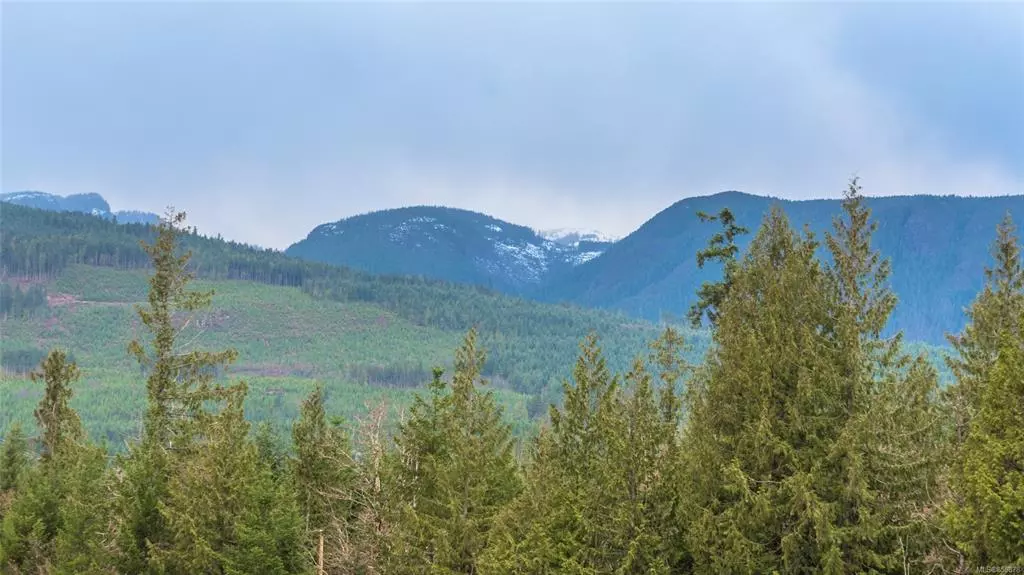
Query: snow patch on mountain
(526, 262)
(449, 243)
(573, 236)
(584, 257)
(92, 204)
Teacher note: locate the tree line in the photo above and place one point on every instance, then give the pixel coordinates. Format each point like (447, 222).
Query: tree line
(804, 442)
(17, 302)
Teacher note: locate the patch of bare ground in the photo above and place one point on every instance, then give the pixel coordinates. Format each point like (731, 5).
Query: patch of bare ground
(60, 299)
(71, 300)
(213, 320)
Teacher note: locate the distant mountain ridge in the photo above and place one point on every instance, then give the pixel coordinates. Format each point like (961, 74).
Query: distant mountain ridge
(90, 203)
(573, 236)
(451, 244)
(938, 246)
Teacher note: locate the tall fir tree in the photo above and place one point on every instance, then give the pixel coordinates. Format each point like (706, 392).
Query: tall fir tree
(14, 459)
(454, 470)
(985, 510)
(811, 437)
(987, 520)
(56, 520)
(758, 410)
(601, 491)
(324, 474)
(996, 310)
(225, 511)
(59, 422)
(182, 425)
(14, 463)
(887, 456)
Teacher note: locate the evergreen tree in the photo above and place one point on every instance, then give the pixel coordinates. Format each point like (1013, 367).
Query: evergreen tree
(224, 510)
(324, 475)
(987, 521)
(986, 506)
(759, 412)
(59, 422)
(722, 248)
(82, 545)
(996, 310)
(30, 524)
(14, 459)
(269, 449)
(552, 527)
(601, 492)
(455, 469)
(886, 458)
(322, 468)
(55, 521)
(181, 417)
(811, 438)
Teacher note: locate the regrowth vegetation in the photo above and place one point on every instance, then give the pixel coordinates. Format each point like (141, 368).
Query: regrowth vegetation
(805, 441)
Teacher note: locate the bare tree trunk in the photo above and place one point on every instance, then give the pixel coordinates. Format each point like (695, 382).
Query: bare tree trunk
(320, 555)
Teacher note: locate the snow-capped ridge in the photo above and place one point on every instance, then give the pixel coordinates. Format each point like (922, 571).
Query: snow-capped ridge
(453, 244)
(573, 236)
(92, 204)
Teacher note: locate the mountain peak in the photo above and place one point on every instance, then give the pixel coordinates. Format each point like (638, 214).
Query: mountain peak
(573, 236)
(89, 203)
(452, 244)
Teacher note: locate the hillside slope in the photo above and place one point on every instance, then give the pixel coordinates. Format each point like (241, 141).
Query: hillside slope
(71, 280)
(530, 344)
(449, 244)
(938, 247)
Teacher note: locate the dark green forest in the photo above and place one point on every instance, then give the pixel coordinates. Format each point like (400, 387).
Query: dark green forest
(802, 437)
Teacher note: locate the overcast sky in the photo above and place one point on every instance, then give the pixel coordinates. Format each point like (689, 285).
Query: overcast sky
(263, 120)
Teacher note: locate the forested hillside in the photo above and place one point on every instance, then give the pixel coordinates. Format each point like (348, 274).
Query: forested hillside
(802, 440)
(448, 244)
(931, 240)
(71, 280)
(933, 243)
(651, 274)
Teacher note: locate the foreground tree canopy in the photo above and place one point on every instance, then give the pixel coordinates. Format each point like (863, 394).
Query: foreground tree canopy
(805, 442)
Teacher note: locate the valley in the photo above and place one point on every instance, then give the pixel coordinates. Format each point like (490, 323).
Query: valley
(370, 339)
(511, 288)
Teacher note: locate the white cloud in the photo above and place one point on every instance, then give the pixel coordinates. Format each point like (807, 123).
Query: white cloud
(548, 116)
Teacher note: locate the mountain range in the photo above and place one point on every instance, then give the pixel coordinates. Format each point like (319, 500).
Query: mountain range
(93, 204)
(72, 281)
(938, 247)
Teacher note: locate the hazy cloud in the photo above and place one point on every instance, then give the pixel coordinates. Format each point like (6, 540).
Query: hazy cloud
(265, 119)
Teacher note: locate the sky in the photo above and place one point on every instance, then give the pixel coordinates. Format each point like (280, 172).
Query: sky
(263, 120)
